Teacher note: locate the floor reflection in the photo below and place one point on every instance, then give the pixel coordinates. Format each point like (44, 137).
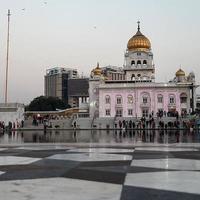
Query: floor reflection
(100, 136)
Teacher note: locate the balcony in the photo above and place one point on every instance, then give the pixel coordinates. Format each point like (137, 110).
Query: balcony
(172, 105)
(118, 105)
(184, 105)
(145, 105)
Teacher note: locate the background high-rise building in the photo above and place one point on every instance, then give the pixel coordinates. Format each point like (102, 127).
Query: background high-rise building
(56, 82)
(78, 91)
(65, 84)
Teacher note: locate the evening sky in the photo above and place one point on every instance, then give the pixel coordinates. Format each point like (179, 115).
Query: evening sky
(78, 33)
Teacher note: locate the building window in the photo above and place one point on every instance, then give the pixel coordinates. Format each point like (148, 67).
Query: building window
(130, 99)
(145, 100)
(107, 112)
(107, 99)
(183, 98)
(119, 113)
(145, 112)
(160, 98)
(119, 100)
(138, 54)
(130, 112)
(144, 62)
(132, 62)
(139, 62)
(171, 99)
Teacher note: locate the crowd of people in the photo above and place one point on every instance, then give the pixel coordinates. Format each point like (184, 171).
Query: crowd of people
(141, 124)
(11, 125)
(151, 123)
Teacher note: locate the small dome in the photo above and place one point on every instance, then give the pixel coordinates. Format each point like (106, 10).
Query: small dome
(97, 71)
(180, 72)
(192, 74)
(139, 42)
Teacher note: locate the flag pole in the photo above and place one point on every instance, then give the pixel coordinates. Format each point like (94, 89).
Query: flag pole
(7, 58)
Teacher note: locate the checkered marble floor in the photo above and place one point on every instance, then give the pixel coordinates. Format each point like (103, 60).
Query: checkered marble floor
(120, 172)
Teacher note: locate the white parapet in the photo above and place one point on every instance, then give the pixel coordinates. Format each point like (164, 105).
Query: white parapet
(11, 112)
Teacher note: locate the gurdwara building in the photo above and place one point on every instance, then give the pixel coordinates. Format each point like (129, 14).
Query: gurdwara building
(131, 91)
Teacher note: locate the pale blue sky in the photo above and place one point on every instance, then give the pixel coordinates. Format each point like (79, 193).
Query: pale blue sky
(61, 33)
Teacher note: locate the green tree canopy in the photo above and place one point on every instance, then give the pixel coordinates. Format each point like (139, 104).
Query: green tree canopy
(43, 103)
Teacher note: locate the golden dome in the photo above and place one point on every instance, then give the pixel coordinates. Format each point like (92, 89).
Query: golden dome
(97, 71)
(180, 72)
(139, 42)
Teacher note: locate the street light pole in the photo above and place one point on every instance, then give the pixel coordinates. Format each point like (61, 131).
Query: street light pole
(7, 58)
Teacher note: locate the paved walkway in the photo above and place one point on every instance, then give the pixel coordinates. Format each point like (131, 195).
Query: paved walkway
(94, 172)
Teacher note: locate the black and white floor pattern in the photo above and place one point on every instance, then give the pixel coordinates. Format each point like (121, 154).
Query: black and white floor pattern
(93, 173)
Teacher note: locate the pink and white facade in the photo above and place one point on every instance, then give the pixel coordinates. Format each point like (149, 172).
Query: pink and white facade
(135, 93)
(126, 100)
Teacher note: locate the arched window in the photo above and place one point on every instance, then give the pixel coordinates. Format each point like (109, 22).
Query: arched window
(145, 98)
(183, 98)
(160, 98)
(107, 99)
(133, 62)
(130, 99)
(144, 62)
(139, 62)
(119, 99)
(172, 99)
(133, 77)
(139, 75)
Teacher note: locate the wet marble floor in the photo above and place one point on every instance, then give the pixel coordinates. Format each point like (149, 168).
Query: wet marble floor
(100, 171)
(100, 136)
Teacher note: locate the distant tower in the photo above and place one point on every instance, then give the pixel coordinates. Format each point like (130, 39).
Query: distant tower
(7, 58)
(139, 59)
(56, 82)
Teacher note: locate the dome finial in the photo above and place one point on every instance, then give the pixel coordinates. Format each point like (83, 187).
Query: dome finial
(97, 64)
(138, 22)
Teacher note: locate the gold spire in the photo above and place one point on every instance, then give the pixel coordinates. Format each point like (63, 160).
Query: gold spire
(138, 22)
(97, 71)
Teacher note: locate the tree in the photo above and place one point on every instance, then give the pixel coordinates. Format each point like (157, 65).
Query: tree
(43, 103)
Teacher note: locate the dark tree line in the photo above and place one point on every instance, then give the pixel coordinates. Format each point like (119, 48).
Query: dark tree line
(43, 103)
